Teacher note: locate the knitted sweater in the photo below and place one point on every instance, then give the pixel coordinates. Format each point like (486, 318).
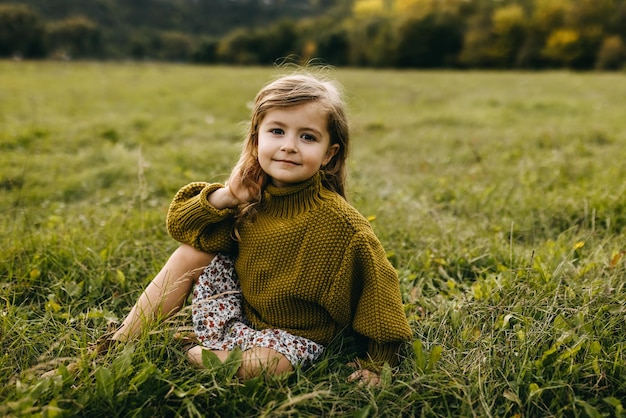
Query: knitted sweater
(309, 263)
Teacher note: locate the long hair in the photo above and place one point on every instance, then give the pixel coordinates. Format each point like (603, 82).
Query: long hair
(284, 92)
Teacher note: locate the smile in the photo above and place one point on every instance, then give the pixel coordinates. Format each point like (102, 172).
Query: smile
(287, 162)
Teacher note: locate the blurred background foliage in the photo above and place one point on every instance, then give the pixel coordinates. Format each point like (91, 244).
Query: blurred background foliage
(523, 34)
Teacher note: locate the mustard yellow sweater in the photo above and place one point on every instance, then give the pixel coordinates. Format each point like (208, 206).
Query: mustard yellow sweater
(309, 264)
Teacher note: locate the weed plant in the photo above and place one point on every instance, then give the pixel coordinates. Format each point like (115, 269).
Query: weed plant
(500, 198)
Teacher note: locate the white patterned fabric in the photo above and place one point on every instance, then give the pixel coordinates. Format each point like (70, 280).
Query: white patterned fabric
(219, 322)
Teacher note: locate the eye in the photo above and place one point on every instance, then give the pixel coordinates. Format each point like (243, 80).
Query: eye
(276, 131)
(308, 137)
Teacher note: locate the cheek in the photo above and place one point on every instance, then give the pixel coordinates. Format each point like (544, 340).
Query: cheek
(261, 148)
(264, 152)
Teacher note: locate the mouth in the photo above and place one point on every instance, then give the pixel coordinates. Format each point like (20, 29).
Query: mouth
(289, 162)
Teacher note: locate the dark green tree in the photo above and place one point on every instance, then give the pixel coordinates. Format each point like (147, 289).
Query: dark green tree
(206, 51)
(175, 46)
(432, 41)
(372, 42)
(278, 41)
(333, 46)
(21, 32)
(612, 54)
(509, 35)
(75, 37)
(239, 47)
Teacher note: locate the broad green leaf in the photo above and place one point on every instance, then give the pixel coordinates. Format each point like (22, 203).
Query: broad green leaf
(52, 306)
(147, 370)
(52, 410)
(386, 375)
(435, 355)
(363, 412)
(533, 390)
(105, 384)
(232, 363)
(590, 410)
(595, 364)
(477, 291)
(595, 347)
(548, 357)
(119, 276)
(123, 363)
(615, 403)
(560, 323)
(210, 360)
(572, 351)
(586, 269)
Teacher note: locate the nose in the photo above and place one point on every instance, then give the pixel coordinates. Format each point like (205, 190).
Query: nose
(289, 144)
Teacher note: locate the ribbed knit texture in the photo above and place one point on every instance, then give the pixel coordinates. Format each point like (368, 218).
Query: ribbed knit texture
(309, 264)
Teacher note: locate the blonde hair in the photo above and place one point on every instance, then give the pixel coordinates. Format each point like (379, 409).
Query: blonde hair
(287, 91)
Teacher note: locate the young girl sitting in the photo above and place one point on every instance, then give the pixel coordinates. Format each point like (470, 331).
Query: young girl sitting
(279, 262)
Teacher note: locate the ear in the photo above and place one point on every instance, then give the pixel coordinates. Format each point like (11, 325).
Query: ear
(330, 153)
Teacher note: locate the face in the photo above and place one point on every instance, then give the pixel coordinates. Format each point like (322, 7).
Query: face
(294, 143)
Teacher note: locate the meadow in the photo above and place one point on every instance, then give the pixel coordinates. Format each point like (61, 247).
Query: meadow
(500, 198)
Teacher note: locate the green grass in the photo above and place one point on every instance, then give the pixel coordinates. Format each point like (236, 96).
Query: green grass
(500, 198)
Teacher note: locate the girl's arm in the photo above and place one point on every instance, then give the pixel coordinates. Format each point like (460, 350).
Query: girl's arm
(378, 312)
(201, 214)
(192, 219)
(223, 199)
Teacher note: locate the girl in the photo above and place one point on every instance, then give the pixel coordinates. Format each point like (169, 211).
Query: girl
(290, 265)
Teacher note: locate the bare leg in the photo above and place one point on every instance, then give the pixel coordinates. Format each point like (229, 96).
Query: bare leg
(261, 359)
(167, 292)
(255, 361)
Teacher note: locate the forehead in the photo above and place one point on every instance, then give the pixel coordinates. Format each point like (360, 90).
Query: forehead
(311, 113)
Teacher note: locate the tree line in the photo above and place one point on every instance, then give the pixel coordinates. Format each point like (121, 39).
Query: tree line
(524, 34)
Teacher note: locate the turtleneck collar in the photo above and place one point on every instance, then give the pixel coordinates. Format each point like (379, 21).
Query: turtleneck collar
(286, 202)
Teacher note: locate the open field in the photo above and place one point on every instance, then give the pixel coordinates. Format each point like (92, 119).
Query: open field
(500, 198)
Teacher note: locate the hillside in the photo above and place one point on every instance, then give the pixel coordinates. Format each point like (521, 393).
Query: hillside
(198, 17)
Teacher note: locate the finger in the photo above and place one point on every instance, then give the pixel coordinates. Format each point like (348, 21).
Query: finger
(371, 380)
(355, 375)
(363, 375)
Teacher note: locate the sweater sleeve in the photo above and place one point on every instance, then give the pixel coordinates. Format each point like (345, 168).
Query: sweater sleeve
(379, 312)
(192, 220)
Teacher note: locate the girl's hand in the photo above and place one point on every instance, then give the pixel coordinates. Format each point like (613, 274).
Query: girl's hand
(223, 198)
(233, 194)
(364, 376)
